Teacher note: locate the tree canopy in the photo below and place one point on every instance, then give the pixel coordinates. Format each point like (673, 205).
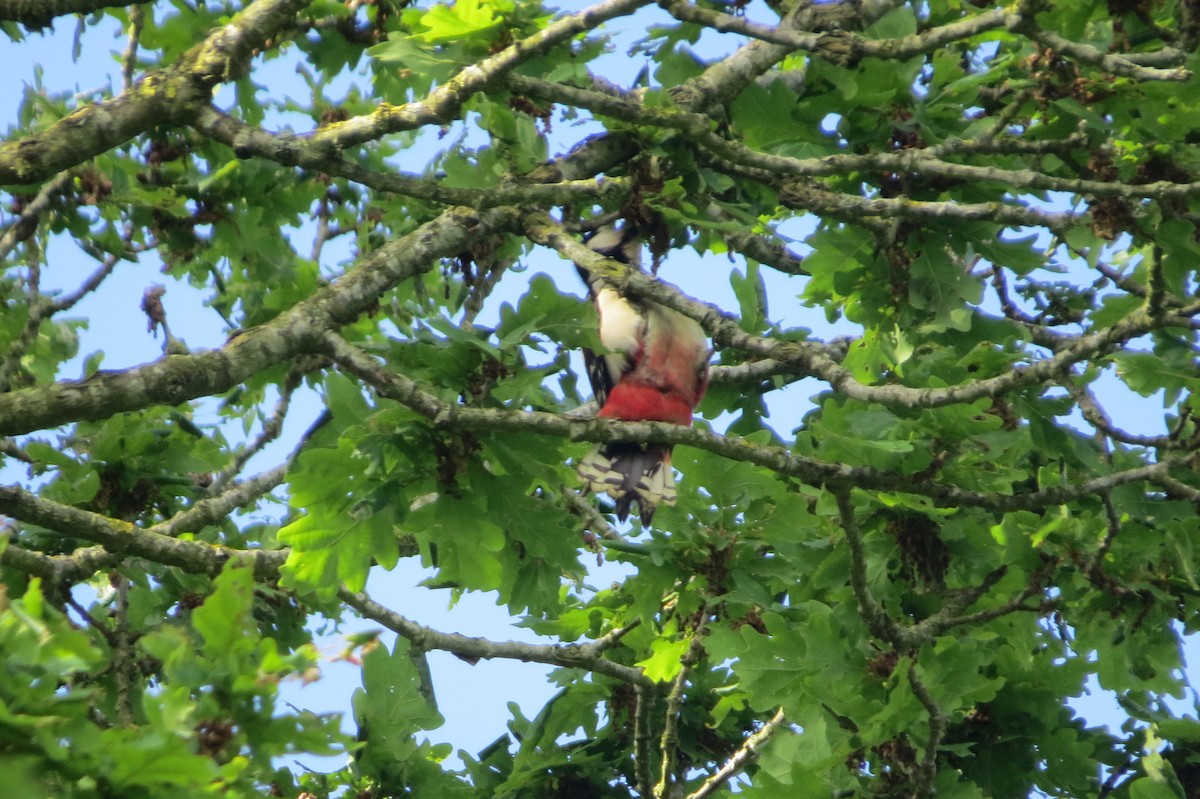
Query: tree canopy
(958, 244)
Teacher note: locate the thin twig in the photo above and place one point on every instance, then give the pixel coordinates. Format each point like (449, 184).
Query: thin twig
(1095, 566)
(642, 735)
(593, 519)
(123, 654)
(669, 740)
(878, 621)
(24, 225)
(137, 20)
(582, 656)
(1097, 417)
(102, 629)
(1156, 287)
(738, 760)
(271, 428)
(927, 768)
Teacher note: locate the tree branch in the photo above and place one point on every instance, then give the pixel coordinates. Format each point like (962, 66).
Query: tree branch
(178, 378)
(698, 128)
(880, 624)
(26, 223)
(163, 96)
(927, 769)
(37, 14)
(1109, 62)
(745, 753)
(586, 656)
(815, 359)
(832, 475)
(289, 149)
(840, 47)
(642, 735)
(55, 570)
(669, 740)
(443, 103)
(124, 539)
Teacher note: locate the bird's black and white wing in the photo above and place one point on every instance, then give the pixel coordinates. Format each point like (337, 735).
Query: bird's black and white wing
(621, 321)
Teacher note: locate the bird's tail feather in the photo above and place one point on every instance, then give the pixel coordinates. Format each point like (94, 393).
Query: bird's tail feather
(629, 473)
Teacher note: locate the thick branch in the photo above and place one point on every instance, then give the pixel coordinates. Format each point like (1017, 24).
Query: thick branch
(842, 47)
(1109, 62)
(161, 97)
(120, 540)
(642, 737)
(179, 378)
(699, 130)
(57, 569)
(838, 476)
(37, 14)
(123, 538)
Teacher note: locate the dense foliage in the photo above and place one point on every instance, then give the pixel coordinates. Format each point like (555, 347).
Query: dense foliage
(992, 214)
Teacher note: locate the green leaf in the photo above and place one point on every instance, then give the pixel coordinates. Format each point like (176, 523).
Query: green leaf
(430, 65)
(751, 294)
(157, 762)
(942, 286)
(1169, 372)
(665, 662)
(764, 117)
(331, 549)
(459, 20)
(1147, 788)
(223, 621)
(389, 708)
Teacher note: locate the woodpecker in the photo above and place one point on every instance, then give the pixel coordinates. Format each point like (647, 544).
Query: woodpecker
(655, 369)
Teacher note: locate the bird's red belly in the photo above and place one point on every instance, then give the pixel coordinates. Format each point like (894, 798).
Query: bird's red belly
(631, 402)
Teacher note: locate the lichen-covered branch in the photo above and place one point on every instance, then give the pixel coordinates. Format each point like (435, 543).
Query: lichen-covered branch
(1115, 63)
(37, 14)
(125, 539)
(642, 739)
(814, 359)
(163, 96)
(55, 570)
(698, 130)
(837, 476)
(843, 47)
(443, 103)
(178, 378)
